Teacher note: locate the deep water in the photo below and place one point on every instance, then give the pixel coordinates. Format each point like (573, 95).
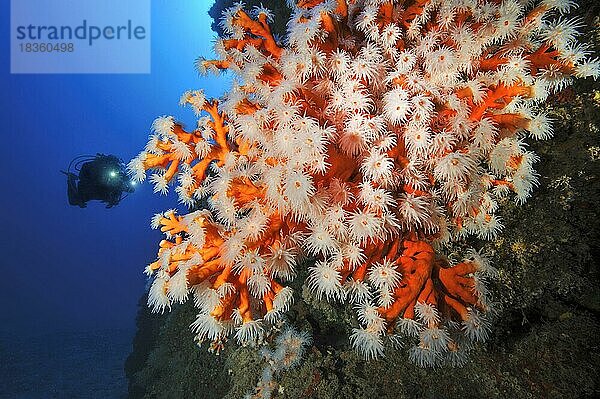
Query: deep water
(84, 364)
(71, 277)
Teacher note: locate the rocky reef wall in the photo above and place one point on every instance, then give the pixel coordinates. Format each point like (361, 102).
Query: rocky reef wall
(545, 333)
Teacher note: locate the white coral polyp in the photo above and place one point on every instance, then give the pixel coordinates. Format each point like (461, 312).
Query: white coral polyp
(346, 145)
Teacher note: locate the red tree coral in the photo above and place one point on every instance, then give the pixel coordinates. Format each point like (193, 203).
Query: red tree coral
(378, 131)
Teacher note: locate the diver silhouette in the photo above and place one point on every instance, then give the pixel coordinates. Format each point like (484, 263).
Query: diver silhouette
(101, 177)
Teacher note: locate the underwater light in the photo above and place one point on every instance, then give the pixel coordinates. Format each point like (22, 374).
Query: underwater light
(97, 177)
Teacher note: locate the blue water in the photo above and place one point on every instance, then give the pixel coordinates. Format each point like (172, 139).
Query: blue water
(84, 364)
(71, 278)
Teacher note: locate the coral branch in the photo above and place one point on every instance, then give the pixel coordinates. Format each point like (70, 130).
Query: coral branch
(373, 133)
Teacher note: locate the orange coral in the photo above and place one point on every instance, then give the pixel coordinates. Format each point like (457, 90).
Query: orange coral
(374, 135)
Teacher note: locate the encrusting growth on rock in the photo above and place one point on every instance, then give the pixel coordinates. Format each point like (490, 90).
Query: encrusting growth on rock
(373, 135)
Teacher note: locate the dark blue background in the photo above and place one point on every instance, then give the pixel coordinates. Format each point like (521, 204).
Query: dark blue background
(70, 269)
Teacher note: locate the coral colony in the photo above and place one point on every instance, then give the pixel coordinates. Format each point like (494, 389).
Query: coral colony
(369, 138)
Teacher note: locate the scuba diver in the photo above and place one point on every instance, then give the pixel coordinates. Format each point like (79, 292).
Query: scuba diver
(101, 177)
